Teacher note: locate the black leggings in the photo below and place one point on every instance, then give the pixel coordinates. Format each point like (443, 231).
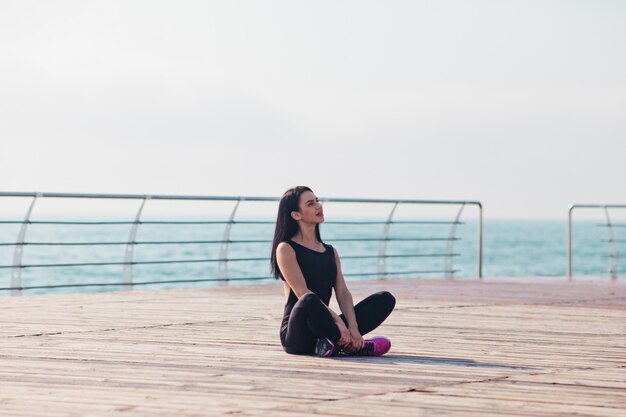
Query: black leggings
(310, 319)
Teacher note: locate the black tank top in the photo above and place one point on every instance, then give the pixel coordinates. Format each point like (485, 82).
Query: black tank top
(319, 270)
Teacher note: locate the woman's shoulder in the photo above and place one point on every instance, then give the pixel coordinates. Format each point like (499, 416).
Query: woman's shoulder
(285, 247)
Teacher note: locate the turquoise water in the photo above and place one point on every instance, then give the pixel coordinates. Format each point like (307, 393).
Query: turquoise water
(512, 248)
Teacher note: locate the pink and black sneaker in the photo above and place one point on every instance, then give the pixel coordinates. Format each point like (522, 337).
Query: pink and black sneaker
(376, 346)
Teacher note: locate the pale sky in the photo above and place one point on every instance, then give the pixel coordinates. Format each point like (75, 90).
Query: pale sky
(518, 104)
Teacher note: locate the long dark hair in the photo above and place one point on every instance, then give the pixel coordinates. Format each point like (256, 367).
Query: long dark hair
(286, 226)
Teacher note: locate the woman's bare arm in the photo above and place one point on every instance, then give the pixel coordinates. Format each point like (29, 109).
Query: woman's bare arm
(346, 304)
(288, 264)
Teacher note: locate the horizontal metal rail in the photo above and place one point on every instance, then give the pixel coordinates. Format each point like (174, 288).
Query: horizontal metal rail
(176, 222)
(223, 260)
(159, 242)
(119, 284)
(226, 198)
(176, 281)
(190, 261)
(195, 242)
(609, 224)
(415, 271)
(412, 255)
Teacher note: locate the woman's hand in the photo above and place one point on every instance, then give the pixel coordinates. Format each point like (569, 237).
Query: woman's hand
(345, 338)
(356, 340)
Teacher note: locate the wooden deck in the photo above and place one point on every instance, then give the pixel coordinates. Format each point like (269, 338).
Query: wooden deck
(459, 348)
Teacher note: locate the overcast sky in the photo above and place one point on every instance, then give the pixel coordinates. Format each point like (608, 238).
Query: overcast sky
(519, 104)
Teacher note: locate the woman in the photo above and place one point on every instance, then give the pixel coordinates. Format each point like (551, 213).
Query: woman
(310, 270)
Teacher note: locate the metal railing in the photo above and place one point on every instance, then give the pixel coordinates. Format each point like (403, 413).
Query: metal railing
(17, 266)
(610, 225)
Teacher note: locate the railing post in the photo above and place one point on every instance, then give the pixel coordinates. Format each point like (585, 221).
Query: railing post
(613, 255)
(130, 247)
(448, 263)
(16, 272)
(382, 247)
(480, 241)
(222, 269)
(569, 241)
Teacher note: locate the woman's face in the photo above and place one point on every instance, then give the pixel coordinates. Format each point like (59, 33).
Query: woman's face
(311, 210)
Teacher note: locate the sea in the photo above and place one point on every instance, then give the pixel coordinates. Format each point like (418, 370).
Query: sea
(512, 248)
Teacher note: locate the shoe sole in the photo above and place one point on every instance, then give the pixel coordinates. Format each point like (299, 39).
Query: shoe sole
(324, 348)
